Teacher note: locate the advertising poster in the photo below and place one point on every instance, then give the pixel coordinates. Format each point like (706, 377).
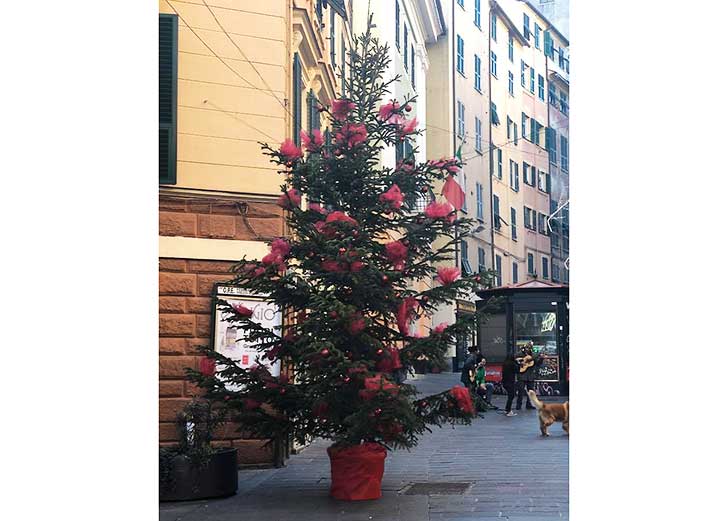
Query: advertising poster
(549, 370)
(231, 342)
(493, 372)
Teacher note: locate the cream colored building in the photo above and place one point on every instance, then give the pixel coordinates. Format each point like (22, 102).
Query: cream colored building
(232, 73)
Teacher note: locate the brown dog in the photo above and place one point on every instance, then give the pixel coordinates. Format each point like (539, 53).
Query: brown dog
(549, 413)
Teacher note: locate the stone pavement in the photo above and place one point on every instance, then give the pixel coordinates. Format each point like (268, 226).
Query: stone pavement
(516, 475)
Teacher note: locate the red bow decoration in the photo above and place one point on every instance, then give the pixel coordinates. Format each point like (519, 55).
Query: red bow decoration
(462, 397)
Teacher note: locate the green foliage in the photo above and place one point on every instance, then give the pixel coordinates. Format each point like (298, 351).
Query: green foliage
(341, 292)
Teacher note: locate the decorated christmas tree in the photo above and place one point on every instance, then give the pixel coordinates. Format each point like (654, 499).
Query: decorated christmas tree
(363, 239)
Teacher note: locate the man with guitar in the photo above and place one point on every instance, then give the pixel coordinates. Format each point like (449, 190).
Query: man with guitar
(526, 376)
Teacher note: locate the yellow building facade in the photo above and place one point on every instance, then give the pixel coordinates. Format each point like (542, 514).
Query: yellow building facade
(232, 74)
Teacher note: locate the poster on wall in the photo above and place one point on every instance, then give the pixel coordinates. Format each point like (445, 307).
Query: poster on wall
(549, 370)
(230, 341)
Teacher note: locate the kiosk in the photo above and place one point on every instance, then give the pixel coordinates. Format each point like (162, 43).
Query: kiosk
(534, 311)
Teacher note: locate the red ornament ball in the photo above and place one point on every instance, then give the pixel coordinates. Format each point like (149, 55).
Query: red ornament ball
(424, 189)
(477, 278)
(385, 278)
(324, 352)
(423, 404)
(377, 411)
(342, 250)
(380, 351)
(333, 314)
(425, 298)
(408, 108)
(347, 380)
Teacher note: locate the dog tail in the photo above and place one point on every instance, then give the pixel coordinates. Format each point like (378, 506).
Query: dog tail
(538, 404)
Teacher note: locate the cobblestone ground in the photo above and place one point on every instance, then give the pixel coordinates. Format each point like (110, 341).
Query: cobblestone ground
(516, 475)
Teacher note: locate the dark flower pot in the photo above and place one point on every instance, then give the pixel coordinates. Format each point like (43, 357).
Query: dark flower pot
(183, 480)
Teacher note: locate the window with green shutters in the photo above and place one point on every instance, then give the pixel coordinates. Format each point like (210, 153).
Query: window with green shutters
(406, 46)
(479, 201)
(464, 258)
(551, 144)
(493, 64)
(531, 269)
(524, 122)
(564, 154)
(314, 116)
(168, 27)
(498, 270)
(545, 267)
(493, 27)
(526, 27)
(477, 73)
(537, 36)
(481, 260)
(510, 47)
(555, 270)
(514, 224)
(461, 120)
(478, 135)
(332, 37)
(532, 80)
(297, 99)
(496, 212)
(523, 74)
(396, 23)
(515, 273)
(476, 20)
(460, 53)
(494, 114)
(548, 45)
(552, 94)
(499, 153)
(541, 94)
(510, 83)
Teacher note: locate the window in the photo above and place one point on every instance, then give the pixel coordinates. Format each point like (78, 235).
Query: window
(343, 65)
(515, 273)
(536, 132)
(545, 267)
(477, 13)
(478, 135)
(493, 27)
(552, 94)
(544, 181)
(396, 23)
(320, 11)
(529, 218)
(481, 260)
(530, 264)
(496, 212)
(332, 37)
(564, 154)
(494, 114)
(528, 174)
(524, 122)
(297, 99)
(561, 57)
(477, 73)
(510, 47)
(532, 78)
(461, 120)
(406, 46)
(526, 27)
(499, 153)
(465, 190)
(515, 133)
(564, 103)
(464, 260)
(510, 83)
(523, 74)
(461, 55)
(498, 274)
(312, 114)
(508, 127)
(548, 45)
(555, 270)
(542, 224)
(537, 36)
(514, 224)
(551, 144)
(515, 186)
(540, 88)
(479, 201)
(493, 64)
(168, 30)
(412, 64)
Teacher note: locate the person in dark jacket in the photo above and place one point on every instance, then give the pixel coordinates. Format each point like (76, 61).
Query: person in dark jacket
(469, 365)
(526, 379)
(508, 381)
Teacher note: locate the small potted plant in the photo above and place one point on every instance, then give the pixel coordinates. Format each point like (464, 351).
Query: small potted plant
(195, 469)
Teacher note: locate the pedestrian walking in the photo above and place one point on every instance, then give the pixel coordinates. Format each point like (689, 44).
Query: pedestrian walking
(508, 381)
(529, 364)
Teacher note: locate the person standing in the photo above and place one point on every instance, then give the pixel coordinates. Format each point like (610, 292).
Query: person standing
(508, 381)
(527, 375)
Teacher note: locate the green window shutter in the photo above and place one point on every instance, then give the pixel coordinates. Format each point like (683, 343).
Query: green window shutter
(168, 27)
(548, 183)
(297, 99)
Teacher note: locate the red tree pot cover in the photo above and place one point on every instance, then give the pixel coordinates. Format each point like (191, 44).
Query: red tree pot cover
(356, 471)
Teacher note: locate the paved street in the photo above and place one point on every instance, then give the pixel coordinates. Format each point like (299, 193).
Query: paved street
(515, 475)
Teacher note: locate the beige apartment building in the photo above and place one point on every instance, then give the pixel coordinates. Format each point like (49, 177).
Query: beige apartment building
(231, 74)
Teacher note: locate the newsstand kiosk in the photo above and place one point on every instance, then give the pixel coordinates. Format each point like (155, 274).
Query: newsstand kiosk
(533, 311)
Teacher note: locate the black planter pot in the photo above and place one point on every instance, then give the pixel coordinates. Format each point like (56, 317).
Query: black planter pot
(184, 481)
